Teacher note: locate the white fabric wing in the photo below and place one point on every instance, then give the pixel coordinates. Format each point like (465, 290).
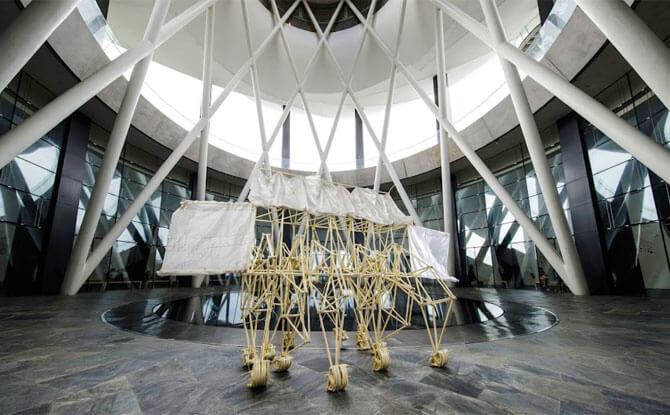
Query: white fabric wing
(394, 213)
(209, 238)
(278, 190)
(322, 198)
(365, 205)
(428, 247)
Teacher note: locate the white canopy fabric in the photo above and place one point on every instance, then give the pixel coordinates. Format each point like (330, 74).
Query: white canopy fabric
(209, 238)
(428, 247)
(322, 198)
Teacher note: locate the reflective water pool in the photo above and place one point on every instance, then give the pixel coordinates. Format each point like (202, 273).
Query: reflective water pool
(224, 310)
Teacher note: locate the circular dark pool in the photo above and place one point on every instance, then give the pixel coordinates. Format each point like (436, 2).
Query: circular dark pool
(224, 309)
(215, 318)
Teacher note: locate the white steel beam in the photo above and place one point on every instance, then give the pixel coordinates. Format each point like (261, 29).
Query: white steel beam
(531, 134)
(526, 223)
(649, 152)
(340, 72)
(206, 102)
(389, 97)
(16, 140)
(255, 85)
(445, 171)
(24, 35)
(636, 42)
(117, 139)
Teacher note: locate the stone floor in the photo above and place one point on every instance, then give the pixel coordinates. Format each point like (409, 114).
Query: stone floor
(608, 355)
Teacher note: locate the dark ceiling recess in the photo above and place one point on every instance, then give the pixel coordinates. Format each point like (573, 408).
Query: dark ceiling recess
(323, 10)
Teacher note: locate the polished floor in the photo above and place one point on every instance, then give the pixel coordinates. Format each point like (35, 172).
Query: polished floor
(607, 355)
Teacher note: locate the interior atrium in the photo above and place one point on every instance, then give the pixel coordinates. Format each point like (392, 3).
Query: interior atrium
(334, 206)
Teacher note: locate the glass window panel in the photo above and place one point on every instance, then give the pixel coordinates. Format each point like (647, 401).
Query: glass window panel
(22, 111)
(470, 190)
(6, 104)
(170, 202)
(22, 207)
(479, 265)
(165, 217)
(28, 177)
(436, 224)
(620, 179)
(92, 157)
(5, 125)
(606, 155)
(470, 204)
(6, 243)
(25, 257)
(475, 237)
(162, 235)
(473, 220)
(661, 127)
(90, 173)
(34, 93)
(652, 256)
(134, 175)
(177, 190)
(43, 154)
(537, 206)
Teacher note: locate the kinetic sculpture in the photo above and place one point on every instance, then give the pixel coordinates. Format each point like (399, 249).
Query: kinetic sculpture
(317, 243)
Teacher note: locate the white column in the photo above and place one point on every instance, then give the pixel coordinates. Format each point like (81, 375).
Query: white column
(650, 153)
(208, 50)
(24, 35)
(206, 102)
(389, 97)
(447, 193)
(117, 138)
(533, 140)
(636, 42)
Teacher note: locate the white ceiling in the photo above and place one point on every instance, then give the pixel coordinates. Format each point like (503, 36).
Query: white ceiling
(128, 18)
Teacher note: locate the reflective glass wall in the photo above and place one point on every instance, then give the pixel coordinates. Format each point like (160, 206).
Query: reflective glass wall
(26, 186)
(633, 203)
(495, 250)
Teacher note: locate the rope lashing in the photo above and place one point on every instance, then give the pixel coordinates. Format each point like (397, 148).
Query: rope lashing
(268, 351)
(288, 340)
(362, 338)
(248, 356)
(340, 334)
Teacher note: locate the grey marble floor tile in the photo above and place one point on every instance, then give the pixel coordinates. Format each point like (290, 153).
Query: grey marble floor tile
(608, 355)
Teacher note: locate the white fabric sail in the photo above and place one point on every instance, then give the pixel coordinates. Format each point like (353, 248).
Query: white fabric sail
(428, 247)
(209, 238)
(321, 198)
